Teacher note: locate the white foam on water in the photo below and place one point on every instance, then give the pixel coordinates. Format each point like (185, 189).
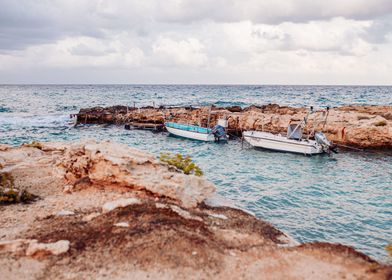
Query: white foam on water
(17, 122)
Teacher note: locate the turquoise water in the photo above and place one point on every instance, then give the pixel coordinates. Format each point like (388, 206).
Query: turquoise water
(346, 199)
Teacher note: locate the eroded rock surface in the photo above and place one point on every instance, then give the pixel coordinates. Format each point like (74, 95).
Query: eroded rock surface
(106, 164)
(123, 227)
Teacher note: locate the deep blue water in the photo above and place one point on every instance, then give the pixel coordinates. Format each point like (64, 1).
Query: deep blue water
(346, 199)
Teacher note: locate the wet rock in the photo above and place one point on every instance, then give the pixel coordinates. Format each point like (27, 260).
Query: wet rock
(234, 109)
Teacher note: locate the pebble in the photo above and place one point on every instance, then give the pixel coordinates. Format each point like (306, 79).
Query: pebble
(68, 189)
(65, 213)
(122, 224)
(90, 217)
(122, 202)
(219, 216)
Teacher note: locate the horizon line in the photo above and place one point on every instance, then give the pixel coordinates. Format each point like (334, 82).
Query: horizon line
(190, 84)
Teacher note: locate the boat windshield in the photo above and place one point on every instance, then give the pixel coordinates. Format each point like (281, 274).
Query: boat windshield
(293, 133)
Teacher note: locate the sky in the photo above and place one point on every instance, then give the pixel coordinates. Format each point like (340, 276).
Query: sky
(337, 42)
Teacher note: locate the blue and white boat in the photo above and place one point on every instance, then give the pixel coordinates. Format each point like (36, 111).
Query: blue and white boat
(197, 132)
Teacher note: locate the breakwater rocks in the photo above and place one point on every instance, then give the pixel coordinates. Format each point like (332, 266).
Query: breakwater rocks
(358, 126)
(108, 211)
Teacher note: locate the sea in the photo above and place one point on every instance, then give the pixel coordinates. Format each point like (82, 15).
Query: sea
(346, 198)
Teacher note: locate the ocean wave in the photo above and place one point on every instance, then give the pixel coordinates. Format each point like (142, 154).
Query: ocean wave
(17, 122)
(4, 109)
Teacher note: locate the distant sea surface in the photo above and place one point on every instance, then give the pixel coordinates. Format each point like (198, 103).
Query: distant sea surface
(346, 199)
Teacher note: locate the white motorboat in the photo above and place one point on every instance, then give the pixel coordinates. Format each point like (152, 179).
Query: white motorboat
(292, 142)
(197, 132)
(281, 143)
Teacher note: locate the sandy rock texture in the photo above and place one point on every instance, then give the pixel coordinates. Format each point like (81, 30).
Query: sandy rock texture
(358, 126)
(117, 221)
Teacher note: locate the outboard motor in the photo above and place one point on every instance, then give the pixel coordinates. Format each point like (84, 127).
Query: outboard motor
(324, 142)
(219, 133)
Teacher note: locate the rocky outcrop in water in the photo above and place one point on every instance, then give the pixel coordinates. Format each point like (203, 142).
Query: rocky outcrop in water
(109, 211)
(358, 126)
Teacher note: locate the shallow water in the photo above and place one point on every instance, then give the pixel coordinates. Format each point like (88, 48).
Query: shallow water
(345, 199)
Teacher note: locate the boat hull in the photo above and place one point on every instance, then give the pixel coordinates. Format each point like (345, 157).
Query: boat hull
(270, 141)
(191, 134)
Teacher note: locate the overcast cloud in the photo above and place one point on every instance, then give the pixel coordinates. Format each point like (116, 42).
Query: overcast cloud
(196, 41)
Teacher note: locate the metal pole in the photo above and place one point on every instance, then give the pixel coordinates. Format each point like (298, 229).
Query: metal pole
(209, 116)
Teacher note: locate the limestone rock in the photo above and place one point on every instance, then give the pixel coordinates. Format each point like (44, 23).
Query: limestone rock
(185, 214)
(4, 147)
(108, 163)
(65, 213)
(88, 163)
(122, 202)
(13, 246)
(218, 216)
(56, 248)
(68, 189)
(122, 224)
(90, 217)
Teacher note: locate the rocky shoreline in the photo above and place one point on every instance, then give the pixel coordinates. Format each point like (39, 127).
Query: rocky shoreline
(109, 211)
(357, 126)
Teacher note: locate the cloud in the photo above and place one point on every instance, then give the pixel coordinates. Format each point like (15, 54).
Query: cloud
(168, 52)
(226, 39)
(75, 52)
(271, 11)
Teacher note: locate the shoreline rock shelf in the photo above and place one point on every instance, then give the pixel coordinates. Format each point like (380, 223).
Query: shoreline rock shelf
(127, 215)
(357, 126)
